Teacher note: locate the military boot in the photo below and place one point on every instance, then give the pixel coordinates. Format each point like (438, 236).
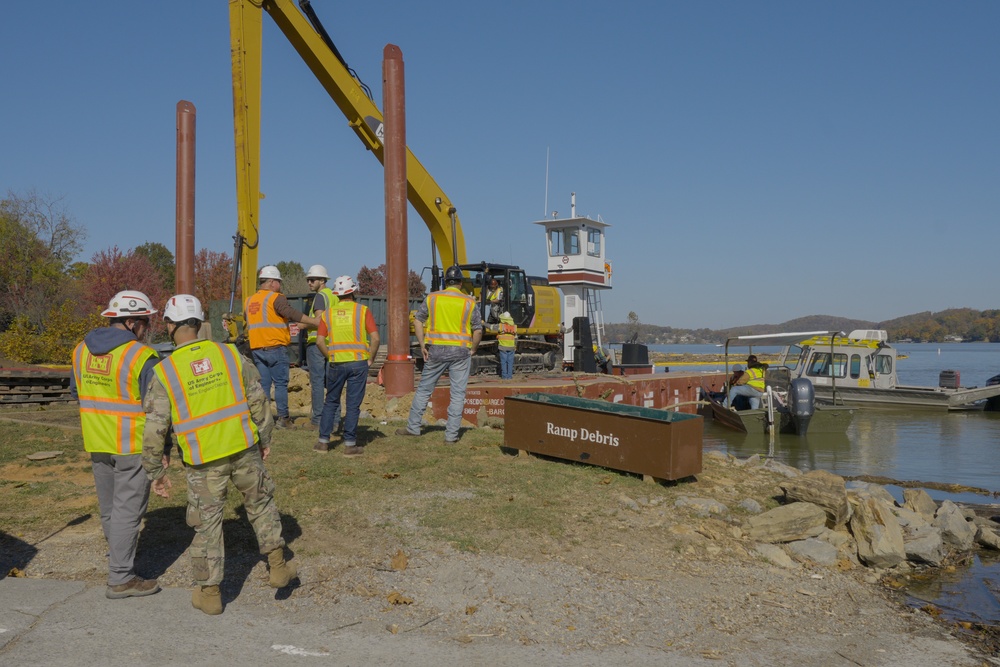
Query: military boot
(208, 599)
(281, 572)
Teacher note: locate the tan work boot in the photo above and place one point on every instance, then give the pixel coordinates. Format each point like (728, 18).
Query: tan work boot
(281, 572)
(208, 599)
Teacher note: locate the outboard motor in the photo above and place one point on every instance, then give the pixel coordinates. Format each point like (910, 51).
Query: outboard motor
(801, 403)
(993, 402)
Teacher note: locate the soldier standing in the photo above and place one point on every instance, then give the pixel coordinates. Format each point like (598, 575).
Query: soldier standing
(212, 397)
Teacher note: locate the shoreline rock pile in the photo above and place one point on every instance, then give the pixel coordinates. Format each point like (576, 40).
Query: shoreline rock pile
(831, 522)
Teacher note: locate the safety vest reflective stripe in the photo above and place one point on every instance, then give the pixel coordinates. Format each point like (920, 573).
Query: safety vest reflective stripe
(110, 407)
(215, 422)
(507, 336)
(449, 318)
(265, 327)
(191, 425)
(756, 380)
(111, 413)
(346, 338)
(331, 300)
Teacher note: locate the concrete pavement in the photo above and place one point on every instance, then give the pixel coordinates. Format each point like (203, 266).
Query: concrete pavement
(71, 623)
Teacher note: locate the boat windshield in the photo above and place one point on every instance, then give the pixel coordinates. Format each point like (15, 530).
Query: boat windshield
(791, 356)
(823, 364)
(883, 364)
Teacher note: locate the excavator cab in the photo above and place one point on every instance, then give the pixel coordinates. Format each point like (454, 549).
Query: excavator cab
(517, 293)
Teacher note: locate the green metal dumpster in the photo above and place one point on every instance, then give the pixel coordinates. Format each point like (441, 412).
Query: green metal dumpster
(661, 444)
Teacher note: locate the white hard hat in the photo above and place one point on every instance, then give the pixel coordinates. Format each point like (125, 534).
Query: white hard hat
(344, 285)
(129, 303)
(270, 273)
(183, 307)
(317, 271)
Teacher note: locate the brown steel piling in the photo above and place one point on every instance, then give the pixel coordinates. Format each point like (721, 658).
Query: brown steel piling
(398, 370)
(184, 243)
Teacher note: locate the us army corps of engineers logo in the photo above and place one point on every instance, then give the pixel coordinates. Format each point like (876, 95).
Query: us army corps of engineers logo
(99, 365)
(201, 366)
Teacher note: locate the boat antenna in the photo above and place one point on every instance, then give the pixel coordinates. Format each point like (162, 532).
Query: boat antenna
(545, 207)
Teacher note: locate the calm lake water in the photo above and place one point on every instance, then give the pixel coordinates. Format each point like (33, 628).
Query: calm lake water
(904, 445)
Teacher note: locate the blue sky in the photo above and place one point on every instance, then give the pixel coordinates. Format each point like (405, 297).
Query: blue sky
(758, 161)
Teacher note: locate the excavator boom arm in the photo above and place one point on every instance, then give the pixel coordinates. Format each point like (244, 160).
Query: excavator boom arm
(363, 116)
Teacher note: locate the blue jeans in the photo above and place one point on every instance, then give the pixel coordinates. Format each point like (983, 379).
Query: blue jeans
(458, 372)
(317, 379)
(273, 365)
(745, 390)
(506, 363)
(355, 375)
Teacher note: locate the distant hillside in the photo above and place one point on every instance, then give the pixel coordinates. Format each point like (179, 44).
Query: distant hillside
(947, 325)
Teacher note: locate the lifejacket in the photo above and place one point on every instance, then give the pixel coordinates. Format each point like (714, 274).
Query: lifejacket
(265, 327)
(331, 301)
(507, 337)
(208, 406)
(107, 385)
(449, 318)
(756, 380)
(346, 336)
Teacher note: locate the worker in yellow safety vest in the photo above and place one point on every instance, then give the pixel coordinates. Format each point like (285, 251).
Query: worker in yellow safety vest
(348, 336)
(267, 316)
(323, 298)
(750, 384)
(448, 328)
(506, 345)
(212, 399)
(494, 297)
(111, 371)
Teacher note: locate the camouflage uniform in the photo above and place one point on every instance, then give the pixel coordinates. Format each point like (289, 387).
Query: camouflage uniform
(208, 482)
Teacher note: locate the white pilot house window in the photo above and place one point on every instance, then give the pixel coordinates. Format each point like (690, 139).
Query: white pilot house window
(564, 241)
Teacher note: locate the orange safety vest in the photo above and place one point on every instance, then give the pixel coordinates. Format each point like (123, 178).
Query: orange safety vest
(346, 335)
(208, 406)
(756, 380)
(265, 327)
(507, 336)
(107, 385)
(449, 318)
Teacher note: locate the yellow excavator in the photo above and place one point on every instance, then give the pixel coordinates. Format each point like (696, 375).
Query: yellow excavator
(534, 305)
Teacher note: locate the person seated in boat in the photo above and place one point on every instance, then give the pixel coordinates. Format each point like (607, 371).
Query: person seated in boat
(601, 358)
(720, 396)
(749, 384)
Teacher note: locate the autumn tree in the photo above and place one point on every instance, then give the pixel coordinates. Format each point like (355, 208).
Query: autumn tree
(38, 241)
(112, 271)
(213, 275)
(293, 278)
(162, 260)
(374, 282)
(46, 219)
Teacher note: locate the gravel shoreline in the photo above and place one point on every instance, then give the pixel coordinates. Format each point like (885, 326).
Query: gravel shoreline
(666, 583)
